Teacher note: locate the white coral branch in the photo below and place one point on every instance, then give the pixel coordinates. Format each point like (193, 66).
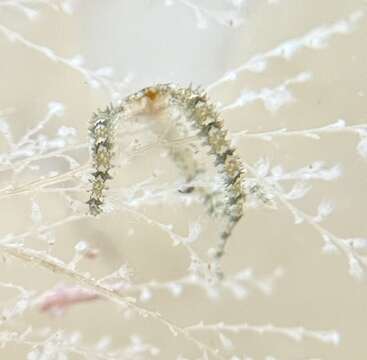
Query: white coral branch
(294, 333)
(315, 39)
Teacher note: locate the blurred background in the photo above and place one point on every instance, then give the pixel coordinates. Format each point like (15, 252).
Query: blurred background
(290, 79)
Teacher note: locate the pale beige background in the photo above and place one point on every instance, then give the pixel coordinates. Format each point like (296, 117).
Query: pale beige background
(156, 43)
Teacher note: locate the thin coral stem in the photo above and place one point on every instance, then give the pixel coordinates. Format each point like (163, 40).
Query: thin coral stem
(56, 266)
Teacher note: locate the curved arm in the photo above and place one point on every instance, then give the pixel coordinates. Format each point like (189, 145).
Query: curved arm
(201, 115)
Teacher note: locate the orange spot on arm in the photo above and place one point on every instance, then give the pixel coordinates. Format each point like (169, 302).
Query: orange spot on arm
(151, 94)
